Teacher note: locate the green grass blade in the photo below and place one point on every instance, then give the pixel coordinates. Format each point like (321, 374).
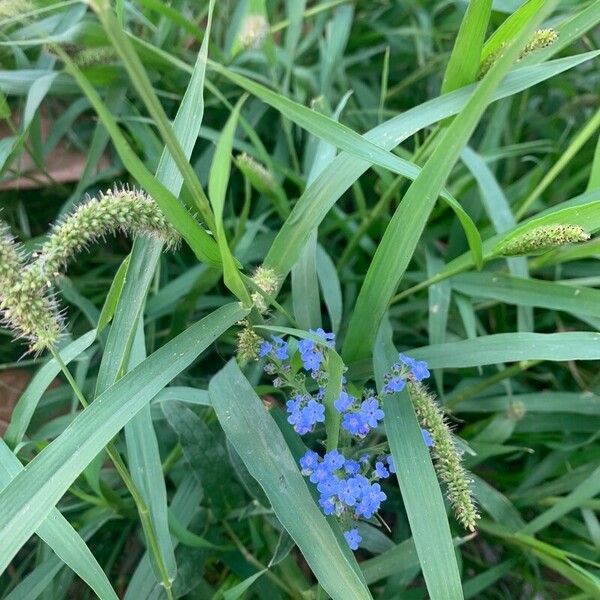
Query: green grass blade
(340, 136)
(318, 198)
(529, 292)
(464, 61)
(32, 494)
(511, 347)
(218, 181)
(260, 444)
(398, 244)
(141, 82)
(418, 482)
(56, 531)
(199, 241)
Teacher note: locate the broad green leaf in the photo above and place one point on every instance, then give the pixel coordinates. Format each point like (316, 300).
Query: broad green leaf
(32, 494)
(260, 444)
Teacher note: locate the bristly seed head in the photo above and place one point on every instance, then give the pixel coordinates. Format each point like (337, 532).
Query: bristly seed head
(543, 238)
(28, 308)
(253, 31)
(448, 460)
(267, 280)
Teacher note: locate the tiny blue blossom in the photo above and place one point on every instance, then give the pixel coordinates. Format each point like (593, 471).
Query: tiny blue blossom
(344, 402)
(351, 467)
(327, 505)
(395, 384)
(370, 412)
(309, 462)
(354, 423)
(264, 349)
(334, 460)
(328, 337)
(391, 464)
(381, 470)
(418, 368)
(353, 538)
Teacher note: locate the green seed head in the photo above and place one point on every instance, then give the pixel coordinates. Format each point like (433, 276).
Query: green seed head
(258, 176)
(447, 457)
(248, 343)
(542, 239)
(267, 280)
(253, 32)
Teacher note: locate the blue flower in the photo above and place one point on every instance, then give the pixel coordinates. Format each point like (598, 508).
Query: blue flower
(327, 505)
(351, 467)
(370, 501)
(353, 538)
(281, 348)
(395, 384)
(264, 349)
(354, 424)
(329, 486)
(334, 460)
(381, 471)
(391, 464)
(304, 415)
(418, 368)
(309, 462)
(427, 438)
(370, 412)
(346, 491)
(344, 402)
(320, 473)
(328, 337)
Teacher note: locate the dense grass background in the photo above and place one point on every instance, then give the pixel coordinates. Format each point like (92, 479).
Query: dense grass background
(513, 345)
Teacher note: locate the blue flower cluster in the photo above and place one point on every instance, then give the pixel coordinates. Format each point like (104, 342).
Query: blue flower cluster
(348, 488)
(358, 419)
(345, 489)
(304, 413)
(404, 368)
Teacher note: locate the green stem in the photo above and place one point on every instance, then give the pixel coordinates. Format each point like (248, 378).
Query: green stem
(140, 503)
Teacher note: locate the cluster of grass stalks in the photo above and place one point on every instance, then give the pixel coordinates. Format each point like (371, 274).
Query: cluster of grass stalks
(182, 181)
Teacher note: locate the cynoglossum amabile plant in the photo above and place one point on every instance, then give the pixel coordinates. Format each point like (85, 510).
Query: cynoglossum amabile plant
(27, 303)
(349, 478)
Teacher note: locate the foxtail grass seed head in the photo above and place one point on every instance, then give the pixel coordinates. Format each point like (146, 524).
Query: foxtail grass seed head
(258, 176)
(28, 307)
(94, 56)
(15, 8)
(447, 457)
(267, 280)
(253, 31)
(541, 239)
(248, 343)
(540, 39)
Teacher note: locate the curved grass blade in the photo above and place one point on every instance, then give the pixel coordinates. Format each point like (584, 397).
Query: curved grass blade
(23, 411)
(511, 347)
(418, 482)
(260, 444)
(57, 532)
(32, 494)
(318, 198)
(402, 235)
